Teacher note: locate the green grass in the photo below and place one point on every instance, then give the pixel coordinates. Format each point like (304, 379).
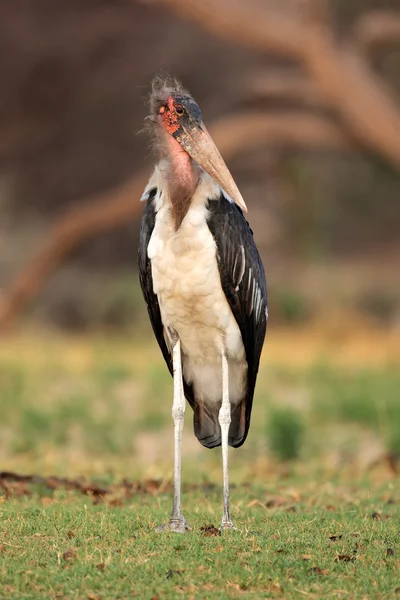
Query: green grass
(71, 548)
(366, 396)
(102, 409)
(285, 432)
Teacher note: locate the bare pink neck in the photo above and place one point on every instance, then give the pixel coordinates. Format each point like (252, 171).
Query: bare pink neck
(183, 177)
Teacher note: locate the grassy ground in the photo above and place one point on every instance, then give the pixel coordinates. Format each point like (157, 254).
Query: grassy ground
(324, 524)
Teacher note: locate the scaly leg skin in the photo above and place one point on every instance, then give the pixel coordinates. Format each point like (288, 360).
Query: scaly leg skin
(177, 521)
(224, 418)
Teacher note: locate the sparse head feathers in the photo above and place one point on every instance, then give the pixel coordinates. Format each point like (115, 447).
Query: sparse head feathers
(167, 95)
(162, 87)
(172, 108)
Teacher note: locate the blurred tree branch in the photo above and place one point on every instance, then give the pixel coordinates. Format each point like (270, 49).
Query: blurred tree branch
(102, 213)
(109, 210)
(340, 72)
(285, 84)
(377, 28)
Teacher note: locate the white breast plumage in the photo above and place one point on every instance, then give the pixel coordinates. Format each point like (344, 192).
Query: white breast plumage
(187, 282)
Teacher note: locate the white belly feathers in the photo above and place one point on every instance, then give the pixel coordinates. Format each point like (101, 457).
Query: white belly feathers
(187, 283)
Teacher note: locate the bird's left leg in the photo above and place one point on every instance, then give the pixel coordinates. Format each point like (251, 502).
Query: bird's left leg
(177, 521)
(224, 418)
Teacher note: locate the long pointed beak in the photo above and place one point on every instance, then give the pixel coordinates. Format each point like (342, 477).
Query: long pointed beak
(198, 143)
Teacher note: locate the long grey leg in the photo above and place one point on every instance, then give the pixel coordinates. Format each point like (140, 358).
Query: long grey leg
(177, 521)
(224, 418)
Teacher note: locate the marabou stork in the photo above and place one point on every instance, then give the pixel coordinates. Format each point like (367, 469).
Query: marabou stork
(203, 281)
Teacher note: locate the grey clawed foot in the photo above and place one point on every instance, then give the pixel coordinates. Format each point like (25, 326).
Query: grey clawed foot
(227, 525)
(176, 524)
(179, 525)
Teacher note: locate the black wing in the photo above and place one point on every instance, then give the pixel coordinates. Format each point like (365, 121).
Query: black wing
(146, 282)
(145, 276)
(243, 282)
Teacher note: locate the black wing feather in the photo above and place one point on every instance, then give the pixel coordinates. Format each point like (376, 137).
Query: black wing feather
(146, 283)
(243, 282)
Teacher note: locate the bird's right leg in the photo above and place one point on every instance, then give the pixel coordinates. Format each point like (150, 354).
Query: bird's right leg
(177, 521)
(224, 418)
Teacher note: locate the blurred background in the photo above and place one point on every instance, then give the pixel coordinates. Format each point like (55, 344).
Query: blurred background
(303, 99)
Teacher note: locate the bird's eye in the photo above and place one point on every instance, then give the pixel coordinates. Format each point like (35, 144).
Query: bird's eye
(179, 110)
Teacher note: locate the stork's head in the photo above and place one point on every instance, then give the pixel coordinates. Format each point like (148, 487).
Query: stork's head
(175, 113)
